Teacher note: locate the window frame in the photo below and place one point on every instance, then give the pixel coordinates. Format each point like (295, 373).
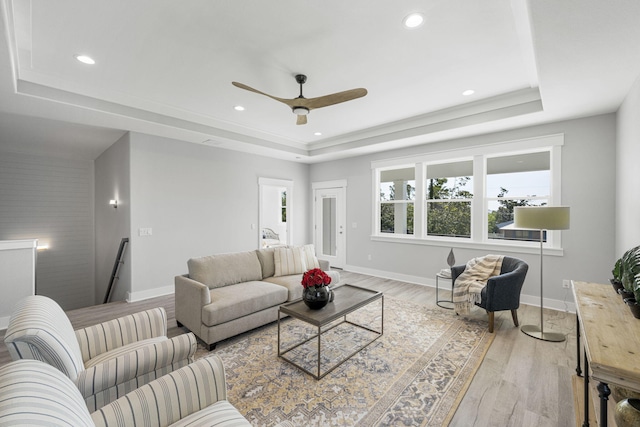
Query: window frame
(424, 216)
(378, 203)
(479, 203)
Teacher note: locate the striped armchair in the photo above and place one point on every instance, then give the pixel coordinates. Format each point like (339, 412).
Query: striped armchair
(34, 393)
(104, 361)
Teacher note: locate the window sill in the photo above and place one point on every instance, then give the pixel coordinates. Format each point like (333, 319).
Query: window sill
(533, 248)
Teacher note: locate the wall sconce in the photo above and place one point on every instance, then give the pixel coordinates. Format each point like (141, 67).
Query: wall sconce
(114, 203)
(42, 247)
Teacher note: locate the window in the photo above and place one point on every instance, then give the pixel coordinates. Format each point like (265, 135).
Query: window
(283, 206)
(467, 195)
(449, 196)
(397, 190)
(517, 180)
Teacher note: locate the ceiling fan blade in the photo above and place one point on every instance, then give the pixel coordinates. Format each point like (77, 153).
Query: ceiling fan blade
(309, 103)
(334, 98)
(289, 102)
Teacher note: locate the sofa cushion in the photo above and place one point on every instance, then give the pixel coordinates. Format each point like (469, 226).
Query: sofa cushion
(309, 254)
(225, 269)
(265, 256)
(335, 278)
(289, 261)
(232, 302)
(292, 283)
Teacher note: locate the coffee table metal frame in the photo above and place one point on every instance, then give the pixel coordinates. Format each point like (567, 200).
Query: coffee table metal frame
(348, 298)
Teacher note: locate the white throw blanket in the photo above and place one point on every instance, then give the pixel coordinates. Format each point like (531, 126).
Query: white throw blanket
(469, 284)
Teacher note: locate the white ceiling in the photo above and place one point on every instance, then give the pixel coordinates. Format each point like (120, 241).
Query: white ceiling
(165, 68)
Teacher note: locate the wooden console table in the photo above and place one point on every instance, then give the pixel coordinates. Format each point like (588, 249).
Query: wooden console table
(611, 341)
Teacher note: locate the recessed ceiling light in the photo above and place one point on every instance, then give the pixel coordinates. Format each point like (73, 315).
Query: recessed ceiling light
(468, 92)
(414, 20)
(317, 133)
(238, 108)
(85, 59)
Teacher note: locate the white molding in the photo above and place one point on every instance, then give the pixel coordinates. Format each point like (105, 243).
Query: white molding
(6, 245)
(552, 304)
(4, 322)
(511, 146)
(532, 300)
(329, 184)
(418, 280)
(150, 293)
(275, 182)
(499, 245)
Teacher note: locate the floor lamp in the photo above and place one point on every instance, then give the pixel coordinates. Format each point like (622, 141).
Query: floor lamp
(541, 218)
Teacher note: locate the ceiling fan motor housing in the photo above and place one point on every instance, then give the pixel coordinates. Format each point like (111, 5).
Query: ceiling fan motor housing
(301, 111)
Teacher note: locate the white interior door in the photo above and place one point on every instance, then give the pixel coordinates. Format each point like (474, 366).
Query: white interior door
(330, 230)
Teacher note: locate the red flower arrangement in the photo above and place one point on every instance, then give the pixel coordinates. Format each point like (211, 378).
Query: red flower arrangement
(315, 277)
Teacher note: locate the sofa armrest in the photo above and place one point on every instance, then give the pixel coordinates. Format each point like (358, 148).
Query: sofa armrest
(131, 365)
(190, 297)
(97, 339)
(324, 265)
(169, 398)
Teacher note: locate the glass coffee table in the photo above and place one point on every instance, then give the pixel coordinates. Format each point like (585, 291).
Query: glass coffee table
(347, 300)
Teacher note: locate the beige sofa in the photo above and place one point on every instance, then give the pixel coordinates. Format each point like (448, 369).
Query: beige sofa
(227, 294)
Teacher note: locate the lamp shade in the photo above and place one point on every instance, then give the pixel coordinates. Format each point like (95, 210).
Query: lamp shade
(541, 217)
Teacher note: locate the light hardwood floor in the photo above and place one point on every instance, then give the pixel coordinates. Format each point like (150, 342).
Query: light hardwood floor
(522, 381)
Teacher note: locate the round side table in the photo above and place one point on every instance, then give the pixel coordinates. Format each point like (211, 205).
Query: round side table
(440, 301)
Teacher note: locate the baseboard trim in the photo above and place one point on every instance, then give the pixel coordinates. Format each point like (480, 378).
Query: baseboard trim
(418, 280)
(150, 293)
(553, 304)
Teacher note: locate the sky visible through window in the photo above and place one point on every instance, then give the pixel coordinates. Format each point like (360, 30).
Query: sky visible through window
(522, 184)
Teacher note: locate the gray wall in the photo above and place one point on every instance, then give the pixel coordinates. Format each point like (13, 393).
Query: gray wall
(51, 199)
(199, 200)
(627, 185)
(113, 172)
(588, 178)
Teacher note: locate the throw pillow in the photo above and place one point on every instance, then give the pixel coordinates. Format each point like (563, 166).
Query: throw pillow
(289, 261)
(310, 259)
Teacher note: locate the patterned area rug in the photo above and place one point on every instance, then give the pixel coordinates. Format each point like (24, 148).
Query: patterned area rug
(413, 375)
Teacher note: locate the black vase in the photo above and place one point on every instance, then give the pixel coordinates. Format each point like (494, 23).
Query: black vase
(316, 298)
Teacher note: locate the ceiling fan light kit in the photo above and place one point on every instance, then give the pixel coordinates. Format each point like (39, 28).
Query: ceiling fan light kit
(301, 106)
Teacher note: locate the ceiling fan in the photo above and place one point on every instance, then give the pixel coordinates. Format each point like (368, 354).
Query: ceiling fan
(301, 105)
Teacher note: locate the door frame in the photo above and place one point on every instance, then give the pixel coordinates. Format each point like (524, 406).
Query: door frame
(341, 219)
(270, 182)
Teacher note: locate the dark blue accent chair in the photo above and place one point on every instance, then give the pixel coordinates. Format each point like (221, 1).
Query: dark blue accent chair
(503, 291)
